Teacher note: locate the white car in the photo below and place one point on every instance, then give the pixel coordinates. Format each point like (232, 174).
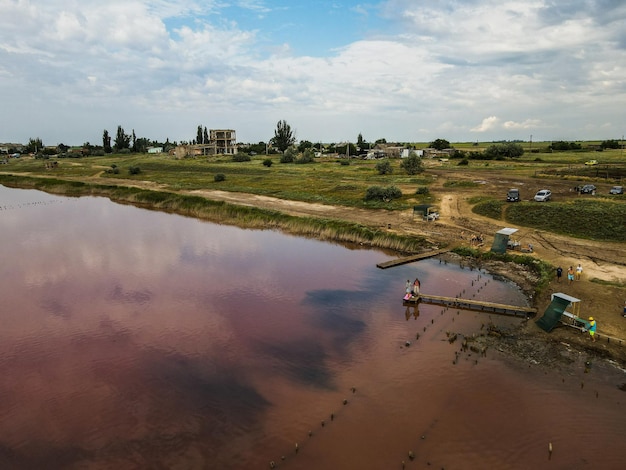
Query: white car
(543, 195)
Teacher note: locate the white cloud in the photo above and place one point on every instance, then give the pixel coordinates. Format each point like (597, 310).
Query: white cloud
(526, 124)
(487, 124)
(432, 67)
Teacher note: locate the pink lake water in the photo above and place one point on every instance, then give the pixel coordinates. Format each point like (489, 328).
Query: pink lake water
(133, 339)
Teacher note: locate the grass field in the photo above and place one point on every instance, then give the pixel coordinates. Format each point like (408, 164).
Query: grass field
(329, 180)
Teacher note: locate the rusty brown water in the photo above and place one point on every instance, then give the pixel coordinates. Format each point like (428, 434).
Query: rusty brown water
(134, 339)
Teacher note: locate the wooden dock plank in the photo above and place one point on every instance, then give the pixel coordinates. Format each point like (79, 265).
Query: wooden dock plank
(410, 259)
(479, 305)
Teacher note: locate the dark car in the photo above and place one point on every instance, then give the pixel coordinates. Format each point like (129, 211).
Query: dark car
(588, 189)
(513, 195)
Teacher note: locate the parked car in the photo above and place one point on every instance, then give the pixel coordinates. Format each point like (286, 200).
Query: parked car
(591, 162)
(513, 195)
(587, 189)
(617, 190)
(543, 195)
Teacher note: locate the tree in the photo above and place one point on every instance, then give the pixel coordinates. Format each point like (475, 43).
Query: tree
(562, 145)
(304, 144)
(106, 142)
(205, 137)
(141, 145)
(359, 141)
(199, 135)
(499, 151)
(384, 167)
(345, 150)
(283, 136)
(412, 164)
(134, 145)
(34, 145)
(122, 140)
(610, 144)
(440, 144)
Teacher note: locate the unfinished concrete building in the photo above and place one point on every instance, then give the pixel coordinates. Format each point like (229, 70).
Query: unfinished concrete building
(223, 141)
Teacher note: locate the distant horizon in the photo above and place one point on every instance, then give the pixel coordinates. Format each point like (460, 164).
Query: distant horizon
(621, 142)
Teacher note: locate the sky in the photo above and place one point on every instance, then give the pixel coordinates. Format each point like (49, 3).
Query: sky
(402, 70)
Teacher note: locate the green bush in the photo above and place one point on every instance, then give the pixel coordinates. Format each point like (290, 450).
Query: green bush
(422, 190)
(308, 156)
(378, 193)
(384, 167)
(412, 164)
(134, 170)
(463, 162)
(219, 177)
(344, 162)
(241, 157)
(490, 208)
(594, 219)
(267, 162)
(289, 156)
(508, 150)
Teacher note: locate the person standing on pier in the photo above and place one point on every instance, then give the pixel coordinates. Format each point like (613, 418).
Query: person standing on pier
(408, 290)
(559, 273)
(416, 287)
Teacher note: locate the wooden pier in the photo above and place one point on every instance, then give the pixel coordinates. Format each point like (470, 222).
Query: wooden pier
(410, 259)
(475, 305)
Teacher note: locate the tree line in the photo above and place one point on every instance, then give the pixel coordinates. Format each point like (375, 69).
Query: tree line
(285, 138)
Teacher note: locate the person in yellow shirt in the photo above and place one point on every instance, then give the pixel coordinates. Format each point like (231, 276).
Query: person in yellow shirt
(592, 329)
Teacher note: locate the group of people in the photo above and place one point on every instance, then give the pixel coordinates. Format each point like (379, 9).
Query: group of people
(575, 274)
(473, 238)
(572, 274)
(412, 290)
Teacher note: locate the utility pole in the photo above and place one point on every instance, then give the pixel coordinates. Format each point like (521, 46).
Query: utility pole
(531, 143)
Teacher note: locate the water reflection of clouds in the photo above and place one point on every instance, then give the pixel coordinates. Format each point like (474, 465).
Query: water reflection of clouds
(183, 316)
(118, 294)
(56, 308)
(147, 328)
(303, 360)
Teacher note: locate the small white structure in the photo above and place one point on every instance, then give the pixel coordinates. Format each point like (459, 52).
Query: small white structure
(155, 149)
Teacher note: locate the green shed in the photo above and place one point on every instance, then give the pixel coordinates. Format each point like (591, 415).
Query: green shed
(501, 239)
